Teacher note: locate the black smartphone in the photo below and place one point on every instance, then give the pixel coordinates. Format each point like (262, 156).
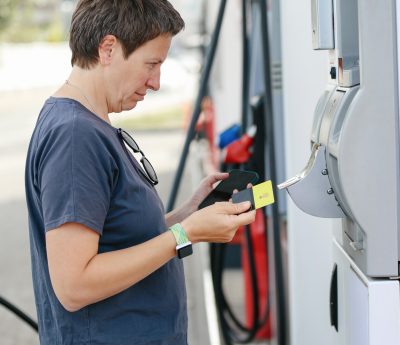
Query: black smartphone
(238, 179)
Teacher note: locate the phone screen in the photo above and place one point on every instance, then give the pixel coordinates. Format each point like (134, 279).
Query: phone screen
(238, 179)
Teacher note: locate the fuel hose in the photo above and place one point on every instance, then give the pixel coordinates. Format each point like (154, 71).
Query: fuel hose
(19, 313)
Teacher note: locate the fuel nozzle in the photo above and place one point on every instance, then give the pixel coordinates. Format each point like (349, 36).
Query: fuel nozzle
(240, 150)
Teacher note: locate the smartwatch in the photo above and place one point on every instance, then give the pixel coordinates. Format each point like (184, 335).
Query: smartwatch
(183, 245)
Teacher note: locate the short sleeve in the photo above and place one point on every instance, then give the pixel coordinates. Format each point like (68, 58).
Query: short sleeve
(75, 175)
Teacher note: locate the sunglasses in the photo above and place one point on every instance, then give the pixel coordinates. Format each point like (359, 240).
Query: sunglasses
(150, 175)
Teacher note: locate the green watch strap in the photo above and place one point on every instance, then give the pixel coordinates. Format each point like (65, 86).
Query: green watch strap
(179, 234)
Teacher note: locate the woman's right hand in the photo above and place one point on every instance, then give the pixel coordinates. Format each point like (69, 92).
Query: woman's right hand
(217, 223)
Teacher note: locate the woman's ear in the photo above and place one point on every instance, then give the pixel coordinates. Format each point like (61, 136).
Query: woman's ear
(106, 48)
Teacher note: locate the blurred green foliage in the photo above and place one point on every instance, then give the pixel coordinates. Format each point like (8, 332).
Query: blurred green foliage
(6, 12)
(32, 20)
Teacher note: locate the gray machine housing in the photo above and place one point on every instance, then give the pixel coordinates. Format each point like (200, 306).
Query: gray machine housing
(356, 135)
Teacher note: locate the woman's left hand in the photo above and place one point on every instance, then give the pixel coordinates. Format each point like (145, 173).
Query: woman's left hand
(206, 186)
(191, 205)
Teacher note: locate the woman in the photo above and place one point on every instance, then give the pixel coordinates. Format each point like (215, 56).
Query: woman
(104, 260)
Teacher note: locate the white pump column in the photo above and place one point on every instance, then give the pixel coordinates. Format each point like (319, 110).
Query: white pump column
(309, 238)
(354, 172)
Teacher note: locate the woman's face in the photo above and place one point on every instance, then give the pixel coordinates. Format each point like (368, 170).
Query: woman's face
(128, 80)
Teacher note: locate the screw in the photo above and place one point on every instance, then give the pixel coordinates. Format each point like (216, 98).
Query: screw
(324, 172)
(330, 191)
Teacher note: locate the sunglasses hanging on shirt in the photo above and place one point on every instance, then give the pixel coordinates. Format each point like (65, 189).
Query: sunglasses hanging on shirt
(148, 168)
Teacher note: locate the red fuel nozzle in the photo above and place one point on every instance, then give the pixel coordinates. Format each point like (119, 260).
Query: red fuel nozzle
(239, 151)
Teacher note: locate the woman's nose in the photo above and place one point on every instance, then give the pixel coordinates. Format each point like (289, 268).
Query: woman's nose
(153, 83)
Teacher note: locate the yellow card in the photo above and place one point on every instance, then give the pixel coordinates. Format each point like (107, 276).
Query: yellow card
(263, 194)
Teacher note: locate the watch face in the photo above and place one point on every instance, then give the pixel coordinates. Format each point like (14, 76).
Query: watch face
(185, 251)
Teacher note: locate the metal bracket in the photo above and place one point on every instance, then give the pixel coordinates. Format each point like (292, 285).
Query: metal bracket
(311, 190)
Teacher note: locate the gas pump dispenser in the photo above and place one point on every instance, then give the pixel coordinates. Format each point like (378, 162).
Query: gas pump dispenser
(354, 169)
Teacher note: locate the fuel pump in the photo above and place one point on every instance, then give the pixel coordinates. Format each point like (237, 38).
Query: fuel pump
(257, 238)
(246, 152)
(353, 172)
(261, 308)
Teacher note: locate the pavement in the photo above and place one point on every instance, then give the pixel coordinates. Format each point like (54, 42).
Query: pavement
(17, 117)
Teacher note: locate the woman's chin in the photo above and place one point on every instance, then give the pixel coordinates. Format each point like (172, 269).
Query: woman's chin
(129, 106)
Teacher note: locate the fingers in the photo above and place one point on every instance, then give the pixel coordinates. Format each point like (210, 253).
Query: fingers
(249, 185)
(229, 208)
(242, 212)
(221, 175)
(246, 218)
(234, 192)
(218, 222)
(216, 177)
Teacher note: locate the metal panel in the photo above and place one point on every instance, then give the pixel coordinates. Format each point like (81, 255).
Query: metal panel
(322, 24)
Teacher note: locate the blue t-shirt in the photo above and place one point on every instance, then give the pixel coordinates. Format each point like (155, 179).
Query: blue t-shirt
(78, 170)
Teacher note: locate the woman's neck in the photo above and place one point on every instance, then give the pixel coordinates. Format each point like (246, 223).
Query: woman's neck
(86, 87)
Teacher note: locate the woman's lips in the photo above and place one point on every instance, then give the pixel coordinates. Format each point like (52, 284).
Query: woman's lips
(141, 96)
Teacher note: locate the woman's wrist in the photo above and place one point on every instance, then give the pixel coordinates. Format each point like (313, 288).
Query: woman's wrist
(188, 230)
(183, 245)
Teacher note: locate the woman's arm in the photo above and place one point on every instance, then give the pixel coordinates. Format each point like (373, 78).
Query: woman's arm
(178, 214)
(80, 276)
